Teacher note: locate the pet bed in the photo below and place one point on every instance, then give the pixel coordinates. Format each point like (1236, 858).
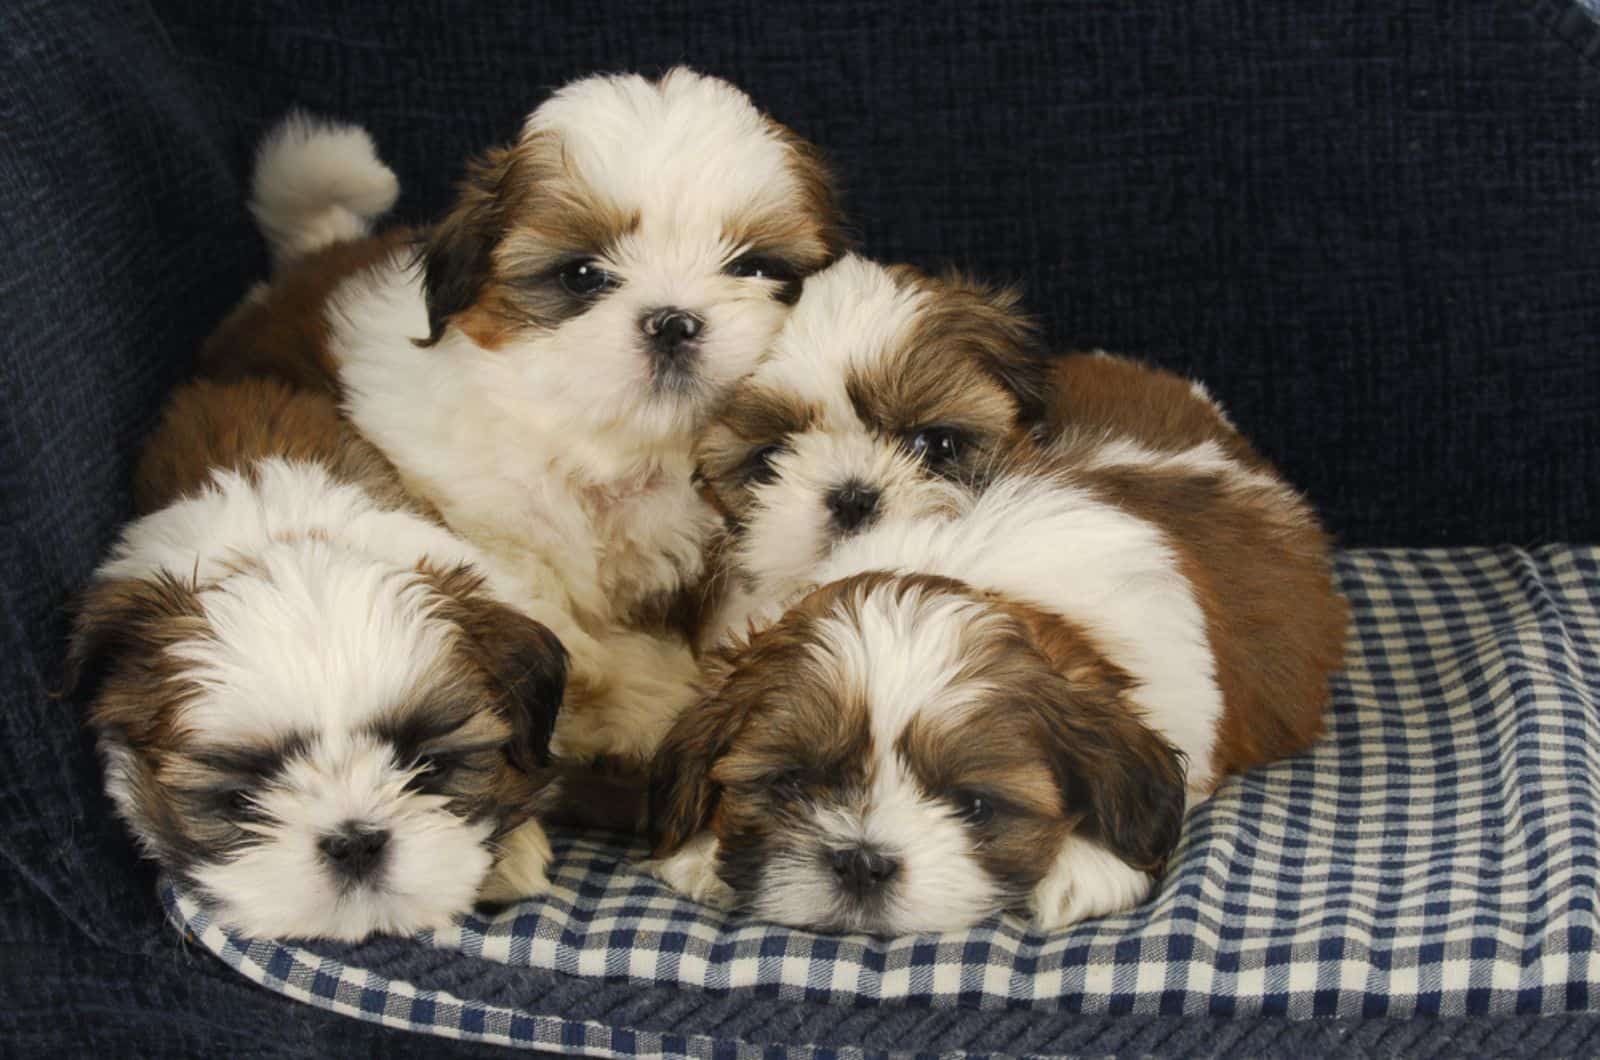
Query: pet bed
(1435, 855)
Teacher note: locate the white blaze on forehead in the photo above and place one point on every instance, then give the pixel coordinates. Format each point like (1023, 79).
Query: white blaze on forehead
(850, 315)
(904, 650)
(311, 640)
(686, 152)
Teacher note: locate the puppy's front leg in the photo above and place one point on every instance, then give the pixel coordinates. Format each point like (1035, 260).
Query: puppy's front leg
(521, 871)
(692, 872)
(1086, 881)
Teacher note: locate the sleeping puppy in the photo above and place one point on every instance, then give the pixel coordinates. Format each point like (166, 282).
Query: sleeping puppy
(313, 701)
(539, 364)
(1045, 625)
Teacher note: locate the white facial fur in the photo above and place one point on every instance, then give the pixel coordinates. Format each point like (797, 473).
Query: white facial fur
(316, 629)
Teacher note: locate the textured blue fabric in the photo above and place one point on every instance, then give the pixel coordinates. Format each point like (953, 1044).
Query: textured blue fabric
(1437, 854)
(1372, 228)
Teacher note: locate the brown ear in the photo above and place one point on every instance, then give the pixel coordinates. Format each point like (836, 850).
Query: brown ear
(527, 662)
(1126, 780)
(992, 322)
(117, 617)
(457, 257)
(682, 795)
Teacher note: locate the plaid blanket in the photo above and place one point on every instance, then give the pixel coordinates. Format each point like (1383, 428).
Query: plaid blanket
(1436, 854)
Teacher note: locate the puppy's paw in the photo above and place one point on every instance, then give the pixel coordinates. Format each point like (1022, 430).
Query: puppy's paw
(692, 872)
(1086, 881)
(521, 871)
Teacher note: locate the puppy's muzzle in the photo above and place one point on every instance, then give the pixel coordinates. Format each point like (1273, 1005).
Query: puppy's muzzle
(672, 332)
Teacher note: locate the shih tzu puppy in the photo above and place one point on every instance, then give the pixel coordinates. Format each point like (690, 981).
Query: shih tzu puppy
(313, 702)
(995, 637)
(538, 364)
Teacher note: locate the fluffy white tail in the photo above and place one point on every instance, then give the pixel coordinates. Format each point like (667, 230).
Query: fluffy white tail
(317, 182)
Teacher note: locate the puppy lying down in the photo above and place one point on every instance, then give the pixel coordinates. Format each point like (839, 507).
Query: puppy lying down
(312, 700)
(1058, 624)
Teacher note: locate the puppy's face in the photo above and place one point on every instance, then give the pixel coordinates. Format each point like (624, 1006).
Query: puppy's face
(900, 754)
(323, 744)
(631, 256)
(887, 394)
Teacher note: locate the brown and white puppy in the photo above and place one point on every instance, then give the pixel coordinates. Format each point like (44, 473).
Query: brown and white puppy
(599, 285)
(1056, 621)
(312, 700)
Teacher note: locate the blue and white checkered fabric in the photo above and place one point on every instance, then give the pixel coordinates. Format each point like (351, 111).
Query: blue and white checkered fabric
(1435, 854)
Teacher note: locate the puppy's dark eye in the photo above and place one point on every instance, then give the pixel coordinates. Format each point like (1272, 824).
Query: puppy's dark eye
(789, 784)
(760, 267)
(939, 448)
(974, 809)
(237, 803)
(586, 279)
(758, 465)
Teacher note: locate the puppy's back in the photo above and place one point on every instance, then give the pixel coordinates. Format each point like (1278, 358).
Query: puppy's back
(1099, 396)
(1160, 448)
(208, 426)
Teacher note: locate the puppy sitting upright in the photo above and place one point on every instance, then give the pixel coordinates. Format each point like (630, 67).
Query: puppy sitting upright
(598, 287)
(312, 700)
(988, 639)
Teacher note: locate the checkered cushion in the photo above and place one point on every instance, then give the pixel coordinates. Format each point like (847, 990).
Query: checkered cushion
(1434, 855)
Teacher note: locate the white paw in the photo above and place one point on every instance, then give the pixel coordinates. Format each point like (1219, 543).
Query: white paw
(1086, 881)
(692, 872)
(521, 871)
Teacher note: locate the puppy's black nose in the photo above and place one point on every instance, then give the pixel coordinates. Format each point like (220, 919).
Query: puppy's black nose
(853, 504)
(671, 330)
(355, 850)
(861, 870)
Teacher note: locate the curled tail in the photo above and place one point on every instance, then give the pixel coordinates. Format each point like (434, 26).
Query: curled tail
(317, 182)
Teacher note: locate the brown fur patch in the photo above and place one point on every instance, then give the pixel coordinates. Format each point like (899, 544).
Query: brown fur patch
(966, 322)
(1094, 396)
(206, 426)
(754, 418)
(1261, 570)
(523, 660)
(284, 333)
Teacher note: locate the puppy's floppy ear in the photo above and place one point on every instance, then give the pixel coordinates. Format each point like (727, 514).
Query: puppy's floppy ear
(526, 662)
(115, 618)
(457, 257)
(992, 322)
(1123, 777)
(682, 795)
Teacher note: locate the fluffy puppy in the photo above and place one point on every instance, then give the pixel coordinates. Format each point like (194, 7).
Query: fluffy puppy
(311, 699)
(538, 368)
(887, 393)
(1048, 621)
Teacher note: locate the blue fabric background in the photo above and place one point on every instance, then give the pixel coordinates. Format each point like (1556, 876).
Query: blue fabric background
(1374, 229)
